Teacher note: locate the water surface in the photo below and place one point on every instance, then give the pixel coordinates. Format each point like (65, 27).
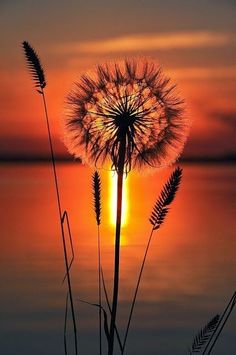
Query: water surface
(189, 276)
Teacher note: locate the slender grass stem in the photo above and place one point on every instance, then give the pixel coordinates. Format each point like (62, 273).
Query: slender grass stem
(52, 155)
(99, 290)
(136, 291)
(229, 308)
(65, 325)
(97, 209)
(61, 223)
(65, 218)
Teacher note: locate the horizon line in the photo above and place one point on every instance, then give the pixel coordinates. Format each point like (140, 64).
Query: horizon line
(224, 158)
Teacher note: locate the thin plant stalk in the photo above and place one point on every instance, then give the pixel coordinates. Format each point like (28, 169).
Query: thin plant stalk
(38, 77)
(61, 224)
(221, 324)
(99, 290)
(97, 210)
(120, 174)
(136, 290)
(65, 325)
(65, 219)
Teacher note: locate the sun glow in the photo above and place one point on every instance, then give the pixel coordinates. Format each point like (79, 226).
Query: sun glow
(113, 199)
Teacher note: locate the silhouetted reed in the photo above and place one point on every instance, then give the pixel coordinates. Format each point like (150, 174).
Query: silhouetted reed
(97, 210)
(36, 70)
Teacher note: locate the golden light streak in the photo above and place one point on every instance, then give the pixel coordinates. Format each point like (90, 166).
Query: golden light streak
(113, 199)
(148, 42)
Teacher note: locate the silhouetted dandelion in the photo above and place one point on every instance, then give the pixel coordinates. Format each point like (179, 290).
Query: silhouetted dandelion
(126, 111)
(125, 115)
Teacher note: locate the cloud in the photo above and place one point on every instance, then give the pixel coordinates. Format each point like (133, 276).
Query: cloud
(148, 42)
(221, 72)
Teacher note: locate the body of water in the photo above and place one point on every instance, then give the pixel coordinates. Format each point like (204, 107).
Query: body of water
(189, 277)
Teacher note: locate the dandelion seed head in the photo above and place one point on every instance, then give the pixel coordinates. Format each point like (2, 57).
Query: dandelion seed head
(127, 109)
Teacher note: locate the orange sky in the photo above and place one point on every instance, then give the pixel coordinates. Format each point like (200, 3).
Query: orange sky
(195, 44)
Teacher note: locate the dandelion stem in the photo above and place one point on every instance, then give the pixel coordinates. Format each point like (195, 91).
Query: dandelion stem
(136, 291)
(120, 172)
(109, 307)
(61, 223)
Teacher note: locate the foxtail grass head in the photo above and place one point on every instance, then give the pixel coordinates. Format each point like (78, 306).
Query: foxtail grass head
(97, 196)
(34, 65)
(167, 196)
(127, 108)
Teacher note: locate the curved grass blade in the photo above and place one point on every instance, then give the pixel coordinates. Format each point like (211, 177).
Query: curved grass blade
(105, 324)
(64, 218)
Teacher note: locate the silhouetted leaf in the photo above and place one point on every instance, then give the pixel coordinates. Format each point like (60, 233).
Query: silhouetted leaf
(105, 322)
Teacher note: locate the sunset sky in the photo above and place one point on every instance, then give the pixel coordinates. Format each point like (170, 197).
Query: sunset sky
(194, 41)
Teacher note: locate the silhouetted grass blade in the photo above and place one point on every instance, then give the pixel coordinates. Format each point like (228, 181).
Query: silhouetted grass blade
(105, 323)
(34, 65)
(65, 219)
(97, 196)
(166, 197)
(204, 335)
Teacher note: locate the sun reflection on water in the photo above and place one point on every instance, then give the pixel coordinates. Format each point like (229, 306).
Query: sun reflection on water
(112, 202)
